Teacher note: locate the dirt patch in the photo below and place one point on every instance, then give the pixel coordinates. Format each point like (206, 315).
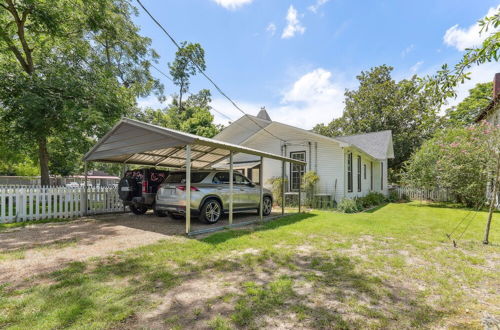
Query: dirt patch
(42, 248)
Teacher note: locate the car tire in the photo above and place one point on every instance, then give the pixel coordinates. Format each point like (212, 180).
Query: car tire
(268, 206)
(211, 211)
(138, 210)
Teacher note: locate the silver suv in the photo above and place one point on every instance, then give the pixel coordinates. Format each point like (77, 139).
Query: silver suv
(210, 195)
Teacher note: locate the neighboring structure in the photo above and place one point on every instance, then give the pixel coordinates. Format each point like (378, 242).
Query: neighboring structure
(95, 179)
(348, 166)
(492, 112)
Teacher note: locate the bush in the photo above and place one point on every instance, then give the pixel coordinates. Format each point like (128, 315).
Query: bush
(372, 199)
(349, 205)
(277, 188)
(393, 197)
(309, 185)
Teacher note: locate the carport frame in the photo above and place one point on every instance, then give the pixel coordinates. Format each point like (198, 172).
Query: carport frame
(184, 141)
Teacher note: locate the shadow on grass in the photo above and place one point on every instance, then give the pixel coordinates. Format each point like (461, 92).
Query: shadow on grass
(449, 205)
(222, 237)
(308, 291)
(376, 208)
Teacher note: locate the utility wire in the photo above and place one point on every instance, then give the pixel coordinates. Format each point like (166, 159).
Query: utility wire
(203, 72)
(213, 108)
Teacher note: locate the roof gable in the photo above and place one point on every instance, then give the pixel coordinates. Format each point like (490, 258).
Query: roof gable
(376, 144)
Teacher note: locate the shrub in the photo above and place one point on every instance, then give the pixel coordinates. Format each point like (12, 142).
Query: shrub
(372, 199)
(393, 197)
(349, 205)
(277, 188)
(309, 185)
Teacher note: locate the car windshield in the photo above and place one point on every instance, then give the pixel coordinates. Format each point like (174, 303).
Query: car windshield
(180, 177)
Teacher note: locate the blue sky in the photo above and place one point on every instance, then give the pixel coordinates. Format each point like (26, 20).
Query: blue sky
(296, 58)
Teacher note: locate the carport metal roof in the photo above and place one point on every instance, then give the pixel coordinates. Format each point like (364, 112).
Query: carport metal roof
(135, 142)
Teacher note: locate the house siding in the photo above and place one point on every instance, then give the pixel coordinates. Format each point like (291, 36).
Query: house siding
(323, 157)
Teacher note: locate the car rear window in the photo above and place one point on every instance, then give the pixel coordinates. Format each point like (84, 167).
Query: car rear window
(180, 177)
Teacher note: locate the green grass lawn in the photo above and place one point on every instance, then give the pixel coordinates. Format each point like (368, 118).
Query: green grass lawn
(392, 267)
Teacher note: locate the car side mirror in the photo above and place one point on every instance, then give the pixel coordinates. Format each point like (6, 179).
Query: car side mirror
(251, 184)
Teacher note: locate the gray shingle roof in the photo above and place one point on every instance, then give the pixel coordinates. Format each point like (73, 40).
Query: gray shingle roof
(376, 144)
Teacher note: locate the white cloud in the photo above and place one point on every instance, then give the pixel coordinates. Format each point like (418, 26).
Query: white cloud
(479, 74)
(314, 8)
(407, 50)
(232, 4)
(462, 38)
(271, 28)
(312, 99)
(293, 25)
(414, 68)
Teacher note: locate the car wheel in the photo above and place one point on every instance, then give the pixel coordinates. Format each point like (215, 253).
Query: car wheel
(139, 210)
(268, 206)
(211, 211)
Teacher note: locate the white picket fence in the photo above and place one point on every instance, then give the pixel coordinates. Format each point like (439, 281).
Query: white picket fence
(437, 195)
(36, 203)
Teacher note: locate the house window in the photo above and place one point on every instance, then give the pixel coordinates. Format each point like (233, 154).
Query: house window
(364, 171)
(349, 172)
(359, 173)
(371, 175)
(296, 171)
(381, 175)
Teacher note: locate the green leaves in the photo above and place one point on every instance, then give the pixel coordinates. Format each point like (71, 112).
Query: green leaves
(380, 103)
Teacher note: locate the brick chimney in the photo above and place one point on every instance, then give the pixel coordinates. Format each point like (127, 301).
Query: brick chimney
(496, 85)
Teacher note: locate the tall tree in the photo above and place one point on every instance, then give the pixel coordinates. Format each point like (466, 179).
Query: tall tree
(380, 103)
(189, 60)
(69, 68)
(467, 111)
(194, 117)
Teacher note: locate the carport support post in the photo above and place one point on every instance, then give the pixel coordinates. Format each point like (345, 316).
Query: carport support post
(283, 186)
(85, 190)
(300, 186)
(231, 190)
(188, 188)
(261, 178)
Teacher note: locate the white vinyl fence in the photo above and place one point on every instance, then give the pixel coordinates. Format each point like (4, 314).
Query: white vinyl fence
(437, 195)
(36, 203)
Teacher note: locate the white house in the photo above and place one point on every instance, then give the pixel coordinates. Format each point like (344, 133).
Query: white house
(348, 166)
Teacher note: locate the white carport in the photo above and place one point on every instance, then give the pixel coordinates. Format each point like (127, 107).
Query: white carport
(135, 142)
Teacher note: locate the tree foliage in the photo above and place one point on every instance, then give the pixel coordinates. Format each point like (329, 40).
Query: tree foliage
(459, 159)
(68, 70)
(194, 117)
(189, 59)
(380, 103)
(445, 81)
(469, 109)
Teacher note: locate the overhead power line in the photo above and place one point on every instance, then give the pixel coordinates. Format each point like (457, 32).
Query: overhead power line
(211, 106)
(203, 72)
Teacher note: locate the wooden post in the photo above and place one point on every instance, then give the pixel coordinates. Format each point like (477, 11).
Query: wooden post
(283, 187)
(231, 187)
(124, 169)
(261, 183)
(85, 190)
(493, 199)
(188, 188)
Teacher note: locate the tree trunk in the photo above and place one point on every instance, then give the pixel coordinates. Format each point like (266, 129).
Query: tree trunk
(43, 155)
(492, 202)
